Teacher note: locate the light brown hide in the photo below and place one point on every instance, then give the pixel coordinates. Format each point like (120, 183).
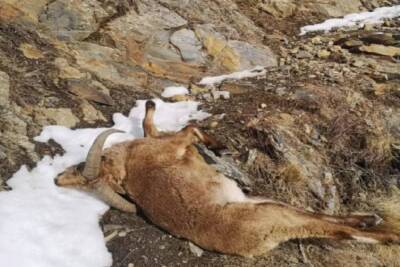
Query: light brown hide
(178, 191)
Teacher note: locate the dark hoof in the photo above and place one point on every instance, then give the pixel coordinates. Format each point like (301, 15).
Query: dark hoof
(150, 105)
(367, 221)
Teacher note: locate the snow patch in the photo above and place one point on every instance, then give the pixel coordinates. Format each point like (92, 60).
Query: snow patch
(254, 72)
(43, 225)
(174, 90)
(355, 19)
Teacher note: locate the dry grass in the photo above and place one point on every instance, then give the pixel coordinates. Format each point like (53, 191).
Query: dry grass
(389, 209)
(292, 174)
(389, 255)
(379, 149)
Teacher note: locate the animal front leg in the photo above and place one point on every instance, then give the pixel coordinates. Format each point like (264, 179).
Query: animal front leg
(149, 129)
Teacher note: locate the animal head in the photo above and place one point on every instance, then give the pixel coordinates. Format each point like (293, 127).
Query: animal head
(72, 177)
(85, 178)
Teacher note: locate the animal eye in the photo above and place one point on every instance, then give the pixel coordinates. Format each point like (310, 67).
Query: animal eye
(79, 168)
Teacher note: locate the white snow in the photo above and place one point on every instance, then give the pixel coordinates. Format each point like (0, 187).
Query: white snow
(42, 225)
(254, 72)
(354, 19)
(174, 90)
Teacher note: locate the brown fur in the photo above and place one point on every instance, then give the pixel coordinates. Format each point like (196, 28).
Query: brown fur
(178, 191)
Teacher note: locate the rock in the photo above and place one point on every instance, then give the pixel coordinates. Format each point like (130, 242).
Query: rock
(73, 20)
(323, 53)
(14, 136)
(337, 8)
(302, 54)
(308, 48)
(122, 234)
(188, 44)
(278, 8)
(158, 46)
(220, 95)
(90, 91)
(316, 40)
(4, 90)
(352, 43)
(213, 124)
(232, 54)
(195, 90)
(225, 165)
(57, 116)
(381, 50)
(234, 88)
(180, 72)
(368, 27)
(107, 63)
(207, 97)
(280, 91)
(178, 98)
(66, 71)
(3, 156)
(253, 55)
(90, 114)
(30, 51)
(379, 38)
(195, 249)
(24, 10)
(141, 25)
(357, 63)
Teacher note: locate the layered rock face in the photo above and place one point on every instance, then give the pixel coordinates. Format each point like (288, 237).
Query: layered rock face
(319, 129)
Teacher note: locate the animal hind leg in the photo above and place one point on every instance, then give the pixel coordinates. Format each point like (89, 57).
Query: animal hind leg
(300, 224)
(353, 220)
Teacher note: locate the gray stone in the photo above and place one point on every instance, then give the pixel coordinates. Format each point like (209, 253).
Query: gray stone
(150, 19)
(108, 64)
(195, 249)
(90, 114)
(337, 8)
(73, 20)
(188, 44)
(4, 90)
(253, 55)
(14, 136)
(303, 54)
(58, 116)
(220, 95)
(224, 165)
(158, 46)
(279, 8)
(232, 54)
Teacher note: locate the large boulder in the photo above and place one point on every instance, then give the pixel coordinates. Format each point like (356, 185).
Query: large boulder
(336, 8)
(278, 8)
(234, 55)
(188, 44)
(73, 20)
(22, 10)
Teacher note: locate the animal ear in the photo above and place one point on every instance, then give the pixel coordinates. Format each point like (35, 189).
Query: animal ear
(210, 142)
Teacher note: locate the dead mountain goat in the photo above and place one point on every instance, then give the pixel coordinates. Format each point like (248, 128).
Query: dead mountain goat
(177, 190)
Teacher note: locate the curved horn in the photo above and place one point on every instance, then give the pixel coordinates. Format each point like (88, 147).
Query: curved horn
(93, 159)
(110, 197)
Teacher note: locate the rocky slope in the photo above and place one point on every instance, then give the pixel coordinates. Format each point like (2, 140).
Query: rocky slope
(320, 130)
